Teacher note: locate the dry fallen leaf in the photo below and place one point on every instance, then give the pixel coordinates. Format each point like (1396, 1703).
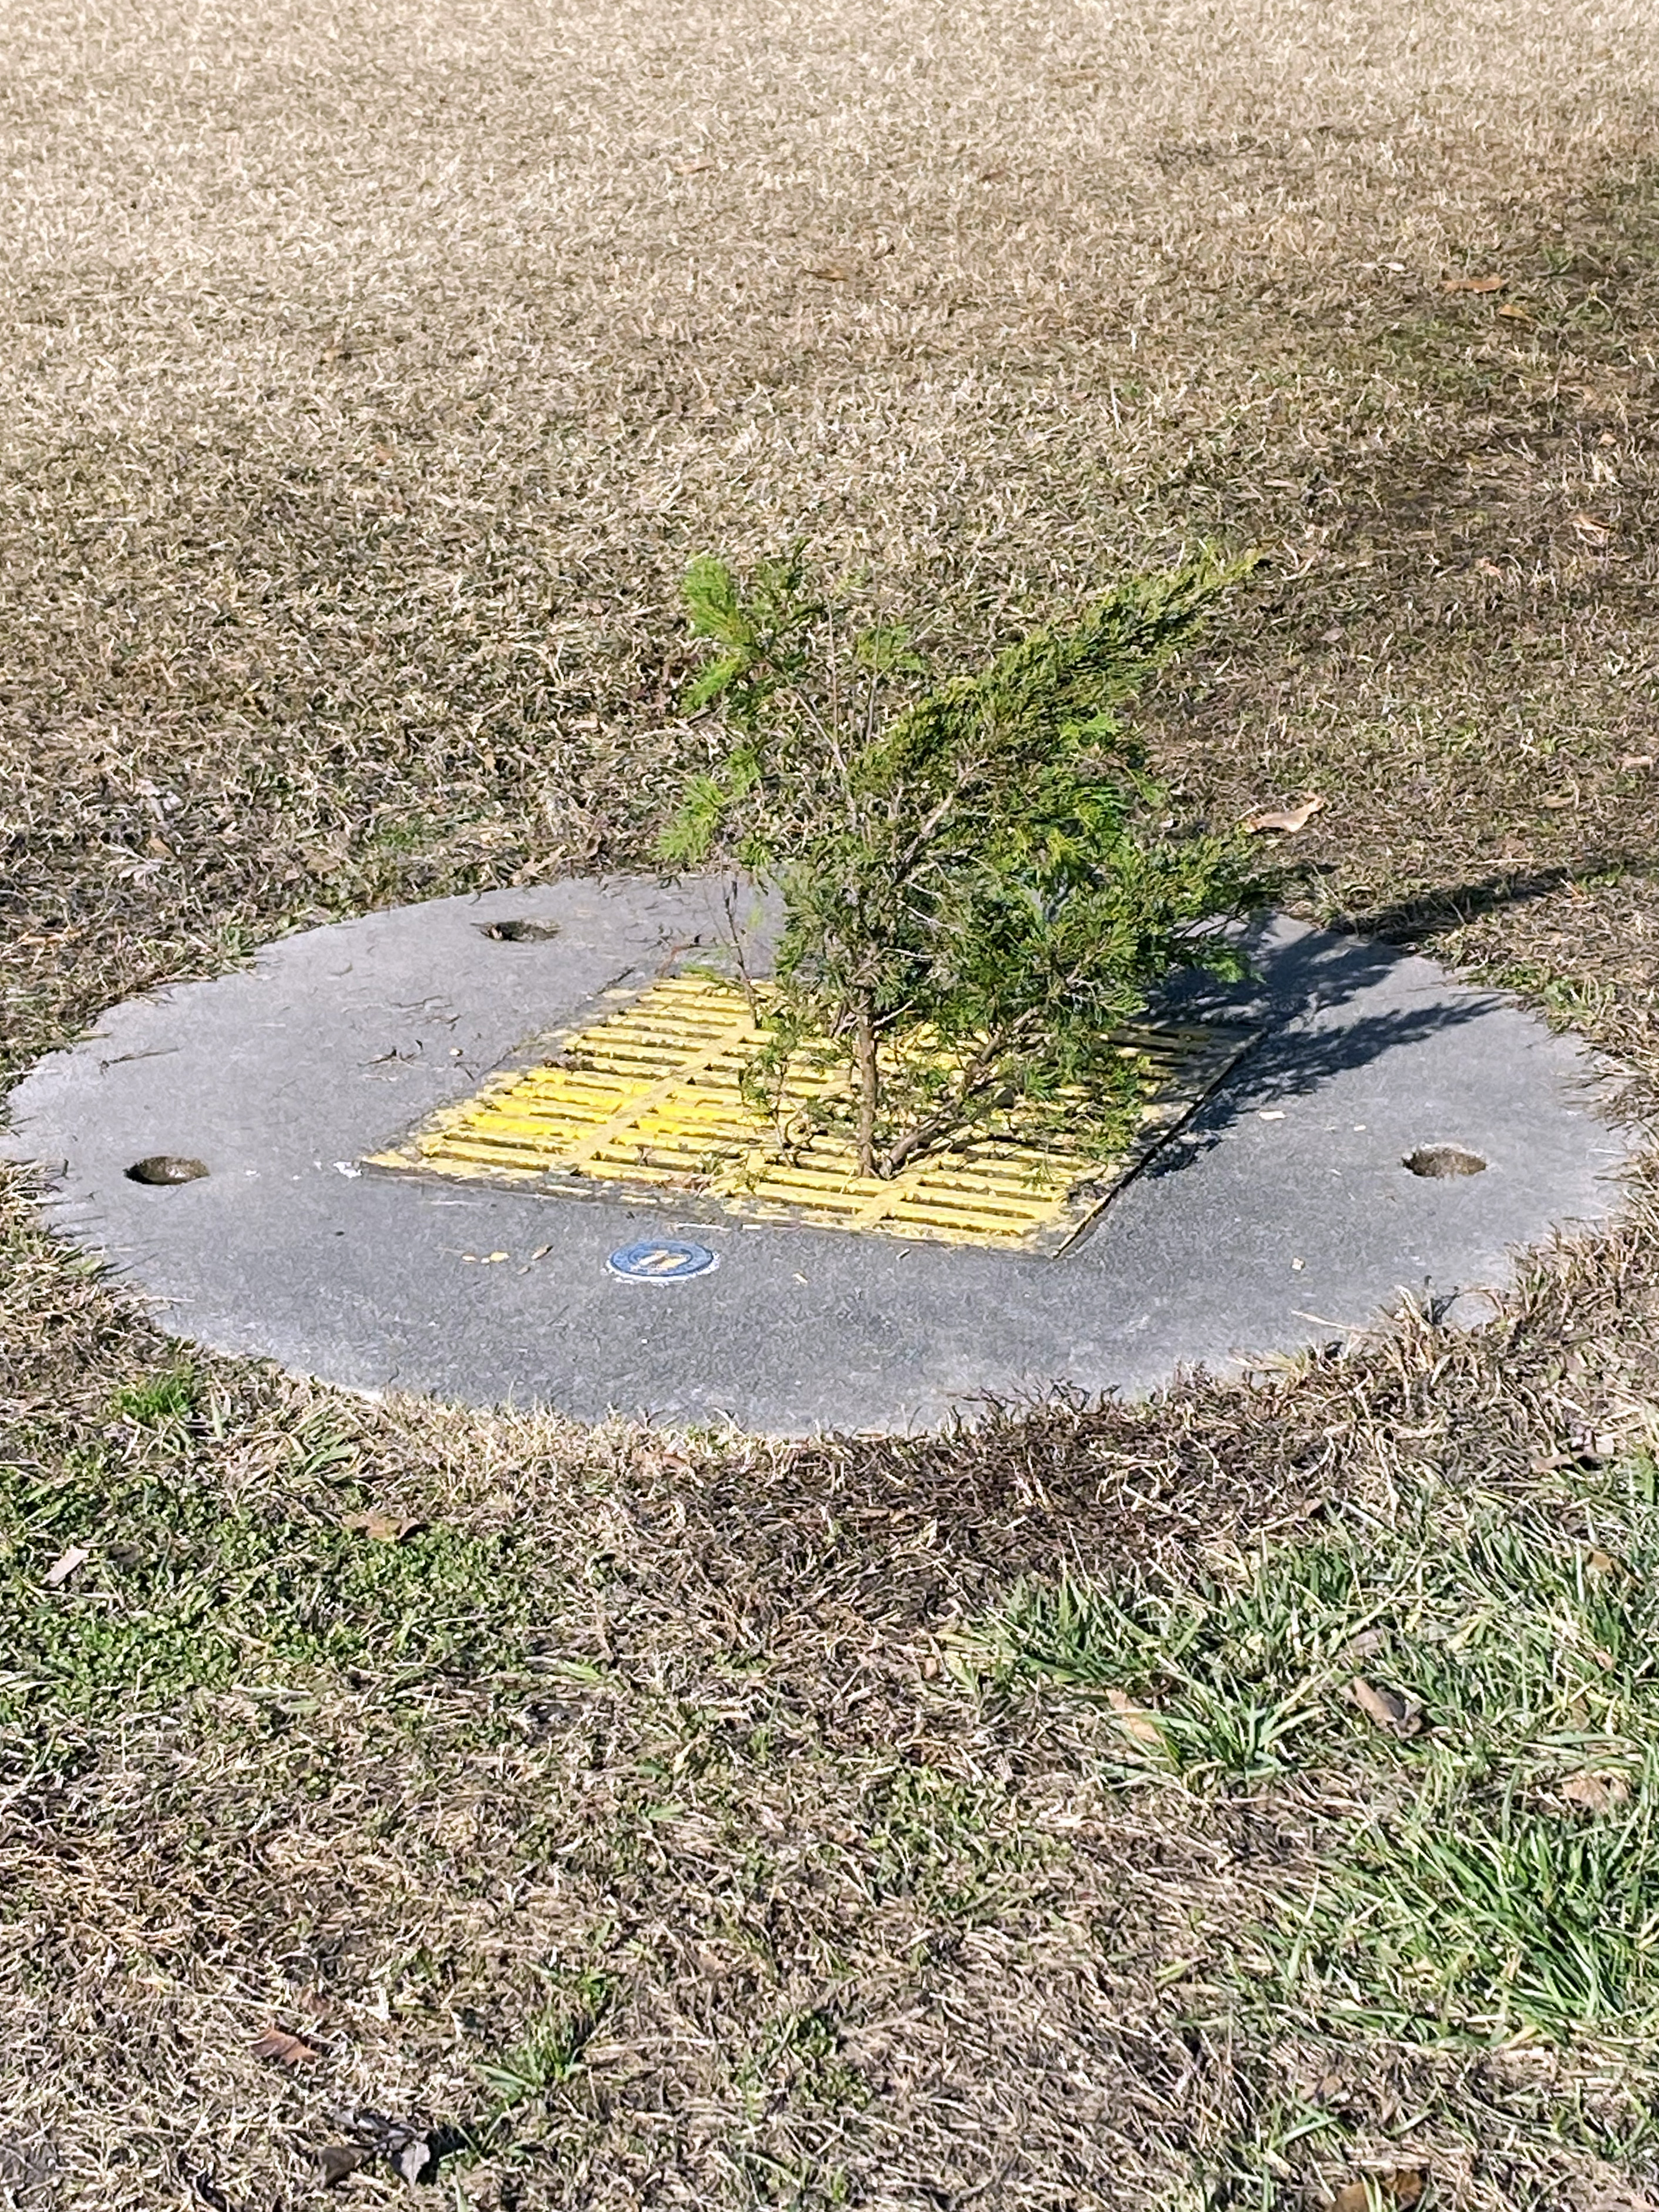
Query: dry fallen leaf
(1386, 1708)
(1136, 1722)
(277, 2043)
(1596, 1793)
(689, 168)
(831, 273)
(1403, 2188)
(64, 1566)
(1559, 800)
(1365, 1645)
(1632, 761)
(1591, 526)
(1601, 1563)
(1473, 283)
(384, 1527)
(1291, 819)
(1515, 313)
(338, 2159)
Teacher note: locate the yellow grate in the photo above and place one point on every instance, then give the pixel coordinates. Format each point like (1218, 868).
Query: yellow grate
(647, 1103)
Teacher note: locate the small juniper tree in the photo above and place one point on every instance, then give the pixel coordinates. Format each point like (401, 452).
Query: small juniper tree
(980, 883)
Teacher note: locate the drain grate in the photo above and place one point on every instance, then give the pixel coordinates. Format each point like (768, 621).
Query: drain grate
(647, 1103)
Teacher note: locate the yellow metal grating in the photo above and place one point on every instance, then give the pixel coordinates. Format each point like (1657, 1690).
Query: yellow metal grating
(647, 1103)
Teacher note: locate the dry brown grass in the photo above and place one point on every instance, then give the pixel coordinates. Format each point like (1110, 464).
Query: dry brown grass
(372, 373)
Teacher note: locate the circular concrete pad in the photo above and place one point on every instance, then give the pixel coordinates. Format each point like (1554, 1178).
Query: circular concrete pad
(1282, 1214)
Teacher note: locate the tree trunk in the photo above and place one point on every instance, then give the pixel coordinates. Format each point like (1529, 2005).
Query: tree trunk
(864, 1047)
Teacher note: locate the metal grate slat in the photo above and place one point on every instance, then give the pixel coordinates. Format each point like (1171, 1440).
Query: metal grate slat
(649, 1099)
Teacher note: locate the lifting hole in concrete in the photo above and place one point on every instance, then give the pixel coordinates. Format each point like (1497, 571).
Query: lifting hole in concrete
(525, 932)
(1441, 1161)
(164, 1168)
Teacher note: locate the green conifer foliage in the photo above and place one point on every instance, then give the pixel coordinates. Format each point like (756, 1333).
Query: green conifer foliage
(980, 882)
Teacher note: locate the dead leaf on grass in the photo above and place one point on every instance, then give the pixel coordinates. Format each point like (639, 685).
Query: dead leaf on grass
(1404, 2187)
(287, 2049)
(1513, 312)
(338, 2159)
(412, 2148)
(416, 2161)
(1365, 1645)
(1473, 283)
(830, 273)
(384, 1527)
(1386, 1707)
(1136, 1722)
(1632, 761)
(1591, 526)
(1596, 1793)
(689, 168)
(1290, 820)
(64, 1565)
(1559, 801)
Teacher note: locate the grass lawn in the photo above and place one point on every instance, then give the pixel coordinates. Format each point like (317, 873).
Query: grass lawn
(1206, 1802)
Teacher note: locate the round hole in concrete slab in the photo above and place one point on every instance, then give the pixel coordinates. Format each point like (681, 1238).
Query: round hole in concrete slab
(166, 1168)
(524, 931)
(1441, 1161)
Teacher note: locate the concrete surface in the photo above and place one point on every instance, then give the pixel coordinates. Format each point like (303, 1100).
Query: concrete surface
(1283, 1216)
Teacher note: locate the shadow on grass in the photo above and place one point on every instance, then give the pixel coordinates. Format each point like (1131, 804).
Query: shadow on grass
(1413, 921)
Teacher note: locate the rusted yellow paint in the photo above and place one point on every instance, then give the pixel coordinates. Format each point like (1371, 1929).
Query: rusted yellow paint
(648, 1102)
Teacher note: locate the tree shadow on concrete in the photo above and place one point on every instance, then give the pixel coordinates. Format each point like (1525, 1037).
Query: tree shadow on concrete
(1310, 977)
(1305, 1040)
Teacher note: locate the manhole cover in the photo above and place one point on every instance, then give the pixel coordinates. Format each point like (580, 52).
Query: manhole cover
(647, 1103)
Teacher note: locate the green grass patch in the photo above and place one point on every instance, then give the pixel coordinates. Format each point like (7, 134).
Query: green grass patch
(1567, 1001)
(1480, 1673)
(182, 1592)
(552, 2046)
(1453, 1918)
(158, 1400)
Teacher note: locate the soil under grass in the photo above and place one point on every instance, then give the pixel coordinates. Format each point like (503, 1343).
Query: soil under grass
(989, 1819)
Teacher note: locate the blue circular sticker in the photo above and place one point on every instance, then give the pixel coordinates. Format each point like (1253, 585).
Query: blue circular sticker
(662, 1260)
